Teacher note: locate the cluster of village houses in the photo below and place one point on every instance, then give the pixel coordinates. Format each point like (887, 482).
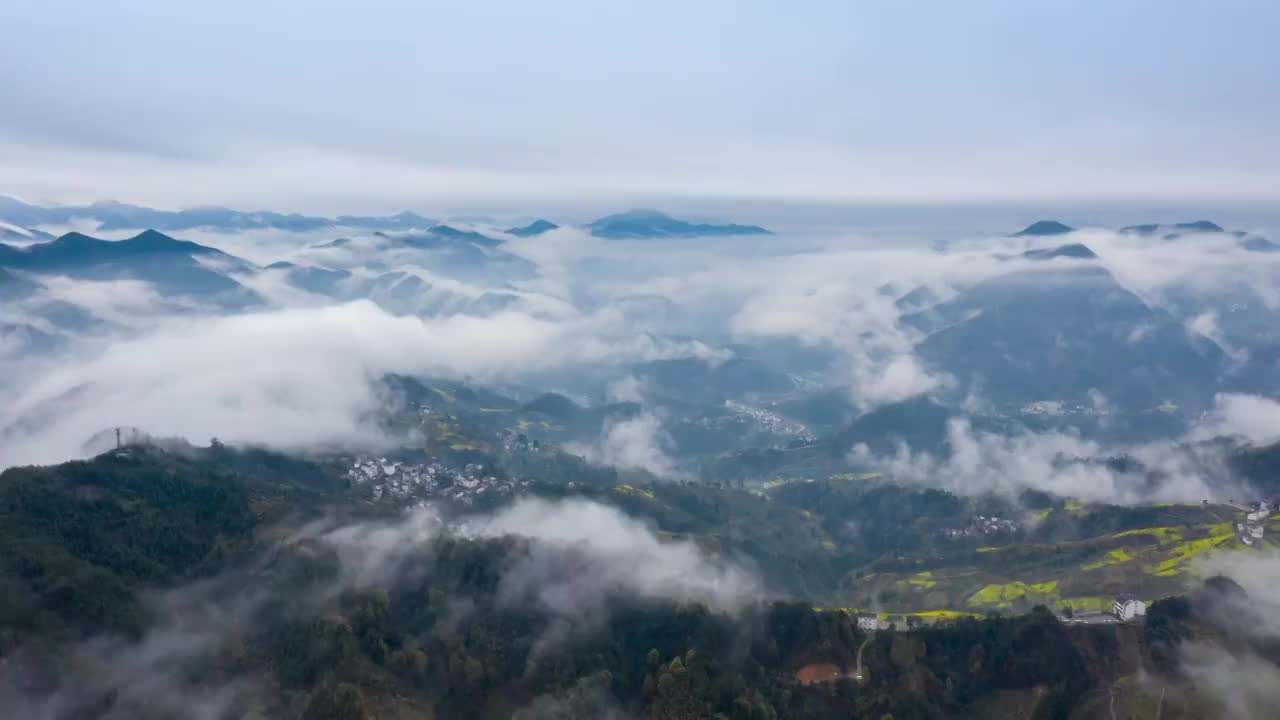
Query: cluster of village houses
(985, 525)
(772, 422)
(1255, 520)
(517, 442)
(403, 480)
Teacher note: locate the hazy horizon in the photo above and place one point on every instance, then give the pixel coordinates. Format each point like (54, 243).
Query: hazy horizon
(393, 105)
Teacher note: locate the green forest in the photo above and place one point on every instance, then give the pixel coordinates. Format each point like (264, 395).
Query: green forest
(199, 552)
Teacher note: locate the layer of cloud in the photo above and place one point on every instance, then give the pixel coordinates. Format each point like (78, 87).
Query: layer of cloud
(586, 555)
(636, 443)
(294, 377)
(303, 374)
(1253, 418)
(1059, 462)
(577, 558)
(1245, 684)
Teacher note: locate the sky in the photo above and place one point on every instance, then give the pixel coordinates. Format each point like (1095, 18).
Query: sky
(377, 106)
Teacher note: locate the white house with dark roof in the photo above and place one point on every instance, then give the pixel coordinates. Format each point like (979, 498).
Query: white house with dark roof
(1128, 607)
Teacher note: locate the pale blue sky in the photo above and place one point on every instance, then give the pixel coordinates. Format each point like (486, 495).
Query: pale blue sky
(382, 105)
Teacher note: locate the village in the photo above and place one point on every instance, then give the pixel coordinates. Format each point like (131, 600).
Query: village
(405, 481)
(1253, 527)
(771, 422)
(984, 525)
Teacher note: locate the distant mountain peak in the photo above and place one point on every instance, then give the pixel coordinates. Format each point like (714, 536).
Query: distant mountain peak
(156, 241)
(113, 215)
(1076, 251)
(22, 234)
(1042, 228)
(151, 236)
(648, 223)
(74, 237)
(171, 266)
(453, 233)
(1256, 243)
(537, 227)
(1196, 226)
(1200, 226)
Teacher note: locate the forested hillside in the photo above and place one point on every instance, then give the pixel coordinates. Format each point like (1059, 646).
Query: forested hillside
(179, 585)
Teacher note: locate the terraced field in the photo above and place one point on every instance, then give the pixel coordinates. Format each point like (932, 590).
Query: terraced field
(1080, 575)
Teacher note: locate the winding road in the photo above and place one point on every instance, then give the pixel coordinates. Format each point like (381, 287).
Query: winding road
(857, 672)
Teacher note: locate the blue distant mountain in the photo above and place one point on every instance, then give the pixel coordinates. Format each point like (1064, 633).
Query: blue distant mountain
(1043, 228)
(465, 254)
(77, 250)
(118, 216)
(174, 267)
(1254, 243)
(435, 237)
(11, 233)
(402, 221)
(112, 216)
(1058, 332)
(1199, 226)
(450, 233)
(121, 216)
(1075, 251)
(320, 281)
(637, 224)
(537, 227)
(1167, 231)
(1244, 240)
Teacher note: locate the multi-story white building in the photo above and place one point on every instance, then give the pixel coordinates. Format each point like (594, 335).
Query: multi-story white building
(1128, 607)
(868, 622)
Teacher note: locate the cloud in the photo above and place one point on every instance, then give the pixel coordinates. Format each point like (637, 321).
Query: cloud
(628, 388)
(376, 553)
(1258, 573)
(635, 443)
(898, 378)
(1253, 418)
(165, 670)
(124, 302)
(839, 299)
(594, 120)
(1244, 685)
(588, 699)
(581, 556)
(576, 559)
(1234, 672)
(1206, 324)
(593, 305)
(294, 377)
(1063, 463)
(586, 555)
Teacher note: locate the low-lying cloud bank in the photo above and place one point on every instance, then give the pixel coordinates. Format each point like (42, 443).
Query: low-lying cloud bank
(636, 443)
(295, 377)
(1244, 681)
(578, 558)
(1065, 463)
(306, 374)
(1252, 418)
(615, 555)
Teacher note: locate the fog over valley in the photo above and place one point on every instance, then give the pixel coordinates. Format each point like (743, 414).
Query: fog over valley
(738, 361)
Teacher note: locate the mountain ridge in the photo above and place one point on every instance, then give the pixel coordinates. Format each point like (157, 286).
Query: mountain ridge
(647, 223)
